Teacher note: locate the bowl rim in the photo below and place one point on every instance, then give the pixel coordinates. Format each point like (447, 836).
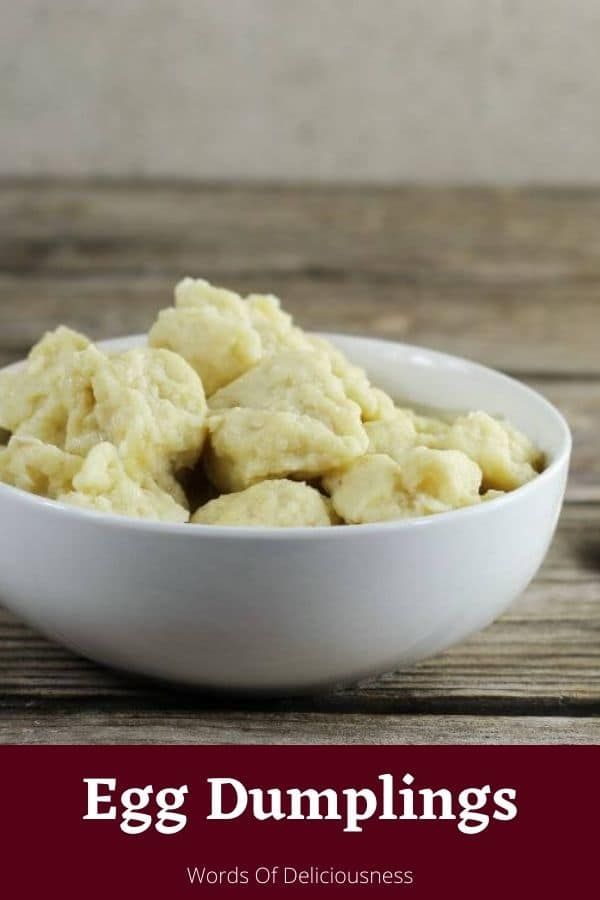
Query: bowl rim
(319, 532)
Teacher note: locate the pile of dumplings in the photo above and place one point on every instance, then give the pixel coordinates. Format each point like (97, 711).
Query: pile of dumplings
(232, 415)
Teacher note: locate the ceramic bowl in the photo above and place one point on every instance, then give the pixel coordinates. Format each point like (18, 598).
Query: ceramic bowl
(288, 610)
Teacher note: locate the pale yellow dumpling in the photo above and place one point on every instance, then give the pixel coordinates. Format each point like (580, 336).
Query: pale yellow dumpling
(287, 416)
(385, 406)
(448, 476)
(212, 329)
(356, 383)
(295, 382)
(31, 398)
(278, 333)
(370, 489)
(48, 422)
(376, 488)
(281, 503)
(393, 434)
(249, 445)
(275, 327)
(506, 457)
(82, 429)
(428, 428)
(148, 402)
(38, 468)
(104, 485)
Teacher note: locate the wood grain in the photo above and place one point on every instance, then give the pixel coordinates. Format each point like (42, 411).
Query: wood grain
(449, 235)
(522, 329)
(507, 277)
(113, 726)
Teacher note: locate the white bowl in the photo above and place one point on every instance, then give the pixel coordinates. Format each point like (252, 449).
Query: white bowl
(264, 609)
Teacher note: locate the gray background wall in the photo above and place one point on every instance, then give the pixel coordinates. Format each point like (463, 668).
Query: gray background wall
(461, 90)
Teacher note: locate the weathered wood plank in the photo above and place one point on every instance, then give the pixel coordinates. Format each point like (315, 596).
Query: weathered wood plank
(488, 273)
(542, 655)
(529, 665)
(69, 726)
(579, 401)
(484, 235)
(528, 329)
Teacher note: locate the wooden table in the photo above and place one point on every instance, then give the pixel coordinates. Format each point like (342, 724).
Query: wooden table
(508, 277)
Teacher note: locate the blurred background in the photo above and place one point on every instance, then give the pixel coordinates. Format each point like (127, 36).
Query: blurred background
(384, 90)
